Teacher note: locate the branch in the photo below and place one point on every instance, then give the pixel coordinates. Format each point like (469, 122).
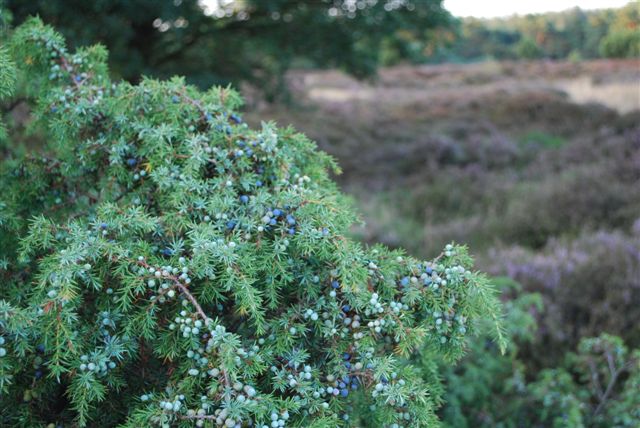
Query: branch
(187, 417)
(614, 377)
(183, 289)
(595, 379)
(9, 108)
(192, 299)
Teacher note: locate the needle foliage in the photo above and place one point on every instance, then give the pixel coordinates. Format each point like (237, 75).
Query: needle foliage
(163, 264)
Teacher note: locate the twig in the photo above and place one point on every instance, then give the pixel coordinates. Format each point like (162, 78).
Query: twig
(614, 377)
(184, 291)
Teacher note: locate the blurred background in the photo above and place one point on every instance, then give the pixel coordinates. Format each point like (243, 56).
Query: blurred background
(513, 127)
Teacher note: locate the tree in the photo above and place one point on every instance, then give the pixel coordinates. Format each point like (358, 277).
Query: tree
(165, 265)
(528, 49)
(240, 40)
(621, 44)
(555, 35)
(623, 38)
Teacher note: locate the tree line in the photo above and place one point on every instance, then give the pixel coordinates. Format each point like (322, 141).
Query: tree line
(572, 34)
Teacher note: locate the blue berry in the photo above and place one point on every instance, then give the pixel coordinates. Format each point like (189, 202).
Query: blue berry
(78, 78)
(208, 117)
(231, 224)
(132, 162)
(277, 212)
(244, 199)
(235, 118)
(344, 392)
(292, 231)
(291, 220)
(175, 99)
(346, 308)
(346, 356)
(335, 284)
(404, 281)
(40, 348)
(258, 183)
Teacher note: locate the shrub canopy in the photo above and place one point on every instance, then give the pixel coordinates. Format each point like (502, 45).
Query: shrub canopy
(164, 264)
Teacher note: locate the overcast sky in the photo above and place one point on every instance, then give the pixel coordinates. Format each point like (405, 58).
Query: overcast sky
(493, 8)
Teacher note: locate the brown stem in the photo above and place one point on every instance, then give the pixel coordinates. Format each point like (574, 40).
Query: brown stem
(183, 290)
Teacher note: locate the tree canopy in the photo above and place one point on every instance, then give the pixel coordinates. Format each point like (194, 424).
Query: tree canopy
(572, 33)
(229, 41)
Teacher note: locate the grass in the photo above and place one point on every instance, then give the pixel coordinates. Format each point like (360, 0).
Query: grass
(542, 139)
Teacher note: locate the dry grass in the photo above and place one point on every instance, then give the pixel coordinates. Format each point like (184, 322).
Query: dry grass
(623, 96)
(432, 153)
(615, 84)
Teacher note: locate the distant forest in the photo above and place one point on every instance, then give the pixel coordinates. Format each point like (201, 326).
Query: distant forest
(572, 34)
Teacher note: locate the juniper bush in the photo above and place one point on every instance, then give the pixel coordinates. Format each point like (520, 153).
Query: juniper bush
(163, 264)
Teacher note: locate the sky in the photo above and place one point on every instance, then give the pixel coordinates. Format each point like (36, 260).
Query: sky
(495, 8)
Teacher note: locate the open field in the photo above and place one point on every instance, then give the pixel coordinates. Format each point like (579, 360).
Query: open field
(535, 165)
(417, 128)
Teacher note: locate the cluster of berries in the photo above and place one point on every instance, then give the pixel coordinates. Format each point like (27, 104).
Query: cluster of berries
(274, 216)
(98, 364)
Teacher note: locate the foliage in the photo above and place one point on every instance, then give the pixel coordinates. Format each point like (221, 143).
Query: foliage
(241, 40)
(556, 35)
(7, 83)
(596, 386)
(590, 285)
(543, 140)
(165, 264)
(621, 44)
(486, 387)
(546, 188)
(528, 49)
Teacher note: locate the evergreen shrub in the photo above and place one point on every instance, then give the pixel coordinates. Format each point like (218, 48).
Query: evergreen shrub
(163, 264)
